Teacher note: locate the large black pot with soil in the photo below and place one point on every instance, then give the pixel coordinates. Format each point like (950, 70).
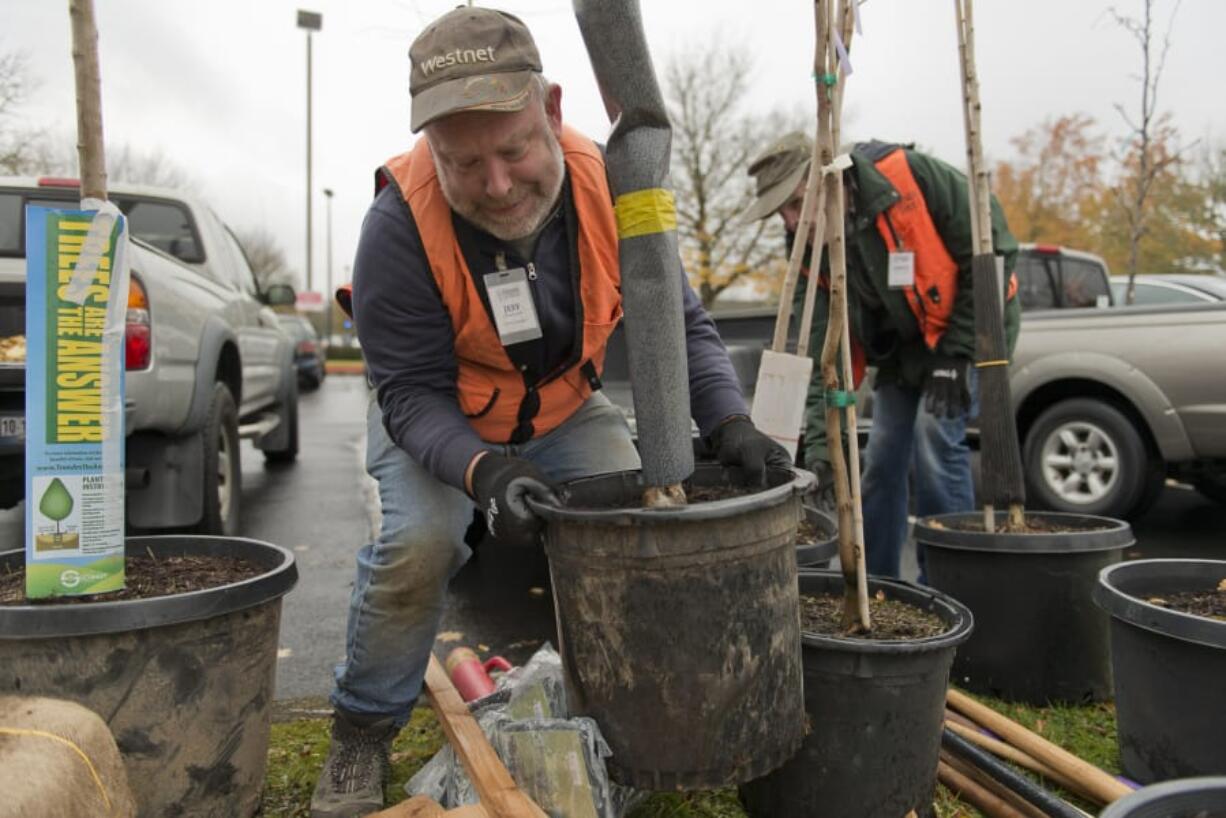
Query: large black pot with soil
(678, 627)
(817, 539)
(185, 681)
(1168, 649)
(1038, 636)
(1183, 798)
(875, 709)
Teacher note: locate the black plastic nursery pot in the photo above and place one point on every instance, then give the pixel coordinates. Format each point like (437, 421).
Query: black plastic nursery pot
(679, 628)
(825, 547)
(1184, 798)
(1038, 636)
(1170, 669)
(875, 710)
(185, 681)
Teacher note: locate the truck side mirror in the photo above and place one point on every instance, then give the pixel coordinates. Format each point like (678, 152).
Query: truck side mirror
(280, 295)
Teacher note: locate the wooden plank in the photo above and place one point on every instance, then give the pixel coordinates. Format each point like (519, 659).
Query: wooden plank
(499, 795)
(419, 806)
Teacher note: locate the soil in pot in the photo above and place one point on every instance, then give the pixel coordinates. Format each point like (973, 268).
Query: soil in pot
(874, 707)
(146, 577)
(891, 618)
(1031, 524)
(808, 533)
(1209, 604)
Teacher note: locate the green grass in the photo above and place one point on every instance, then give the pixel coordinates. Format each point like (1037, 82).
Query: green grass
(297, 749)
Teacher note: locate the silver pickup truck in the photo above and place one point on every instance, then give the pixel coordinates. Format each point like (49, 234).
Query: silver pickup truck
(206, 361)
(1110, 401)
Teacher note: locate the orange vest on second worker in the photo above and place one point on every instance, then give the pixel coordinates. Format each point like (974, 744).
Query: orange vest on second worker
(907, 225)
(492, 392)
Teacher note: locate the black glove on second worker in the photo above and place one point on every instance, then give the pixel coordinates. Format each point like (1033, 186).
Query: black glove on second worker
(737, 442)
(500, 487)
(946, 391)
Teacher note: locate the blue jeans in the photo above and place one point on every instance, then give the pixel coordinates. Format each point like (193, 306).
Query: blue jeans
(904, 433)
(401, 585)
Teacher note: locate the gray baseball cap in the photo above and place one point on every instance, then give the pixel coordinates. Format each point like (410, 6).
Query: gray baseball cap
(778, 170)
(471, 59)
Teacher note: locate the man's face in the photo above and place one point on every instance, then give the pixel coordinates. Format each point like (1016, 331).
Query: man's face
(790, 212)
(502, 171)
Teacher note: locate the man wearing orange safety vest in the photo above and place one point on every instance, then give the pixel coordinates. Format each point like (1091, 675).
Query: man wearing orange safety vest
(911, 309)
(486, 286)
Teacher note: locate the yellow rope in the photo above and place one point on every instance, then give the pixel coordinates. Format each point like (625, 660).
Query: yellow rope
(643, 212)
(982, 364)
(21, 731)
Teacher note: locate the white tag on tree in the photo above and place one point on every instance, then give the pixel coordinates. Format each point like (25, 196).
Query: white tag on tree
(902, 270)
(512, 305)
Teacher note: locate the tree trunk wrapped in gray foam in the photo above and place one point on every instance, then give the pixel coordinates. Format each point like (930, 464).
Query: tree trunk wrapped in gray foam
(637, 158)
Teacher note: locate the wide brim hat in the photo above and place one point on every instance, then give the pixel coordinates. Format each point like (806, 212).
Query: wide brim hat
(778, 171)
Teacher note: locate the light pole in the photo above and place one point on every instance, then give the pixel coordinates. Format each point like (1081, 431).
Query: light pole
(328, 264)
(309, 21)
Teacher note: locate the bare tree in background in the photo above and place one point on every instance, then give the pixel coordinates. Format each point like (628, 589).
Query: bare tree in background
(714, 140)
(19, 145)
(1140, 150)
(266, 257)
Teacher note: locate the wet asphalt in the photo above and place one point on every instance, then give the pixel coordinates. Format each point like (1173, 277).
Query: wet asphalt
(324, 506)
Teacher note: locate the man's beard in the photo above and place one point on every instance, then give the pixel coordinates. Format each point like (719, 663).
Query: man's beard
(541, 196)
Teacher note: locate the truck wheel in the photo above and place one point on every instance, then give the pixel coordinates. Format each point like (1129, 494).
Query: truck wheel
(223, 473)
(289, 417)
(1084, 456)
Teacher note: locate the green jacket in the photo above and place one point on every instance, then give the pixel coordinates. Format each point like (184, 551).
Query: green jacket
(881, 320)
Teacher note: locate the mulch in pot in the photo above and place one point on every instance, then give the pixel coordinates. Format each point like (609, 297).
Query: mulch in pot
(1209, 604)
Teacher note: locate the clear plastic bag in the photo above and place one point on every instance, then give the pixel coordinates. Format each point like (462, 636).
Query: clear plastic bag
(556, 760)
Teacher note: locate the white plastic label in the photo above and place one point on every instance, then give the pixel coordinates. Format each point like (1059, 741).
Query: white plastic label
(512, 306)
(902, 270)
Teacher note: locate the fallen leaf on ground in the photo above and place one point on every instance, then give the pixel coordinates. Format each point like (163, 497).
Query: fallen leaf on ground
(535, 591)
(284, 653)
(449, 636)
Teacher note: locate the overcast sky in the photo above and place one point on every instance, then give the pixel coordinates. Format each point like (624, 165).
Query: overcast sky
(220, 87)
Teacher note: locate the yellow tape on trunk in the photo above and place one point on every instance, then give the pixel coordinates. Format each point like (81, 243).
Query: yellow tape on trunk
(644, 212)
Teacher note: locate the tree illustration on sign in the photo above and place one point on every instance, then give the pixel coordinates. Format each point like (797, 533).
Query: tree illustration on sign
(56, 504)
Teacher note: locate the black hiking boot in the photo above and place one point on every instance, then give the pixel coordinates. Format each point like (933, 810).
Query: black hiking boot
(351, 782)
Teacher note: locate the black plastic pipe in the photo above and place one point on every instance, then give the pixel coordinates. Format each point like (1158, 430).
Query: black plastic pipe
(1004, 774)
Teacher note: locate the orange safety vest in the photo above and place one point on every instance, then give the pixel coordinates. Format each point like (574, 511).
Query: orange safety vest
(907, 225)
(491, 389)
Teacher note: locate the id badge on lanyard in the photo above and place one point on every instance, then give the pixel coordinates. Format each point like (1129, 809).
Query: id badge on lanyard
(512, 305)
(901, 273)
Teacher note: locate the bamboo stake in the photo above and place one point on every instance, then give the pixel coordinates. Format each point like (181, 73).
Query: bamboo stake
(1096, 783)
(90, 149)
(1011, 753)
(967, 789)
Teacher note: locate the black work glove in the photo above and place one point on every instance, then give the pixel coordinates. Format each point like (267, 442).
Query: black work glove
(823, 493)
(946, 391)
(737, 442)
(500, 486)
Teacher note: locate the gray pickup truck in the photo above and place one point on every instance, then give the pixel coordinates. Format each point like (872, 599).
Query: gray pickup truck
(1109, 400)
(206, 361)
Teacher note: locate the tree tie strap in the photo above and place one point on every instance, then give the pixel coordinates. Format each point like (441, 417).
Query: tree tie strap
(89, 765)
(643, 212)
(840, 399)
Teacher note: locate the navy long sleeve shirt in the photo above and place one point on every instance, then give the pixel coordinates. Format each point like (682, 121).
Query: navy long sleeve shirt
(409, 343)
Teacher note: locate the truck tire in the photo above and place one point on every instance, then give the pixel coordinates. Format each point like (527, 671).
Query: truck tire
(222, 473)
(289, 417)
(1084, 456)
